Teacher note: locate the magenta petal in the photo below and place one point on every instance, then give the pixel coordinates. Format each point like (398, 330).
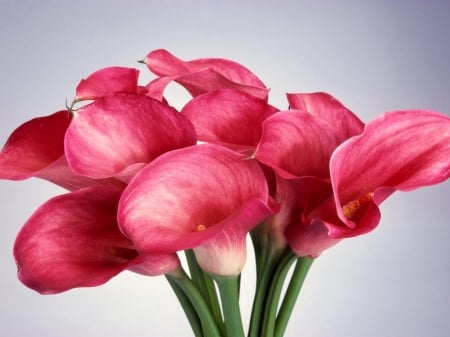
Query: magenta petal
(207, 74)
(310, 239)
(295, 143)
(224, 252)
(33, 146)
(108, 81)
(36, 149)
(114, 132)
(228, 116)
(155, 89)
(73, 241)
(325, 106)
(299, 198)
(155, 264)
(60, 174)
(401, 150)
(207, 80)
(189, 196)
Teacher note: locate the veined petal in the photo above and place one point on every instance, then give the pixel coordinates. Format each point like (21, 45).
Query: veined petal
(225, 252)
(59, 173)
(207, 74)
(299, 198)
(155, 264)
(73, 240)
(108, 81)
(188, 197)
(36, 149)
(33, 146)
(228, 117)
(310, 239)
(155, 89)
(295, 143)
(114, 132)
(206, 80)
(401, 150)
(345, 123)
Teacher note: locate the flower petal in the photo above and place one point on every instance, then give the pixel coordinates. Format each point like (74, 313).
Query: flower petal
(60, 174)
(295, 143)
(310, 239)
(73, 240)
(189, 196)
(401, 150)
(33, 146)
(325, 106)
(207, 74)
(228, 117)
(114, 132)
(299, 198)
(224, 252)
(108, 81)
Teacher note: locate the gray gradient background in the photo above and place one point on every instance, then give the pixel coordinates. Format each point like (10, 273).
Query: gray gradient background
(374, 56)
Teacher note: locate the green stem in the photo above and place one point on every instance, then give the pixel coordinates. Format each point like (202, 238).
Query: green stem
(268, 263)
(260, 252)
(188, 308)
(205, 284)
(208, 323)
(270, 313)
(229, 289)
(291, 295)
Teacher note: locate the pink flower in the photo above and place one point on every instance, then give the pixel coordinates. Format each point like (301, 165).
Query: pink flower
(331, 191)
(117, 135)
(108, 81)
(102, 143)
(228, 117)
(205, 197)
(36, 149)
(401, 150)
(326, 107)
(201, 75)
(73, 240)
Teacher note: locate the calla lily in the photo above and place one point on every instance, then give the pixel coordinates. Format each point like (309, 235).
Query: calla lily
(322, 105)
(401, 150)
(73, 240)
(36, 149)
(117, 135)
(204, 197)
(108, 81)
(228, 117)
(202, 75)
(34, 145)
(295, 143)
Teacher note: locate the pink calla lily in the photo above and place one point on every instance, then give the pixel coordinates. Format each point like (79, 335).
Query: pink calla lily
(204, 198)
(228, 117)
(108, 81)
(73, 240)
(402, 150)
(203, 75)
(322, 105)
(117, 135)
(295, 143)
(34, 145)
(36, 149)
(303, 227)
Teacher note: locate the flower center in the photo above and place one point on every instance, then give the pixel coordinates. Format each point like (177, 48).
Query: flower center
(354, 206)
(200, 228)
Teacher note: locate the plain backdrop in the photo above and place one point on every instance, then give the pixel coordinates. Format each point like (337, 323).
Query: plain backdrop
(374, 56)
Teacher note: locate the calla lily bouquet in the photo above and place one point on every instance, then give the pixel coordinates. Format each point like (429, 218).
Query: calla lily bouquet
(148, 184)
